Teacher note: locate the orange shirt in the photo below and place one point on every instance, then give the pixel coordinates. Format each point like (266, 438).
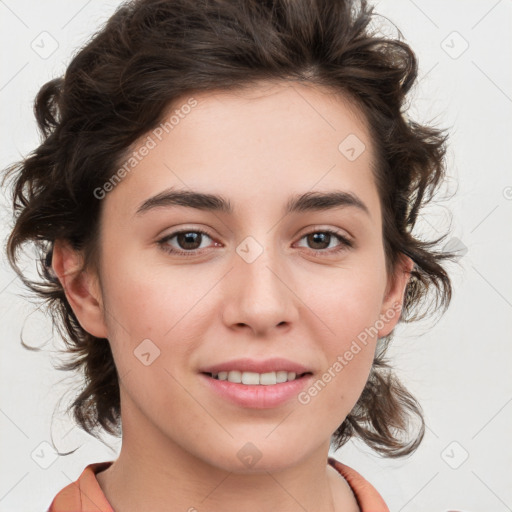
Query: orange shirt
(85, 495)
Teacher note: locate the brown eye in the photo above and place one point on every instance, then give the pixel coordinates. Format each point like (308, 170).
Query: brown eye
(187, 242)
(320, 241)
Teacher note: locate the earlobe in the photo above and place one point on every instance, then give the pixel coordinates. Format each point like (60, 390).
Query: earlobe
(395, 294)
(80, 287)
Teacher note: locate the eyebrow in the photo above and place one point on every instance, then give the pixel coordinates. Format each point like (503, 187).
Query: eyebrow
(309, 201)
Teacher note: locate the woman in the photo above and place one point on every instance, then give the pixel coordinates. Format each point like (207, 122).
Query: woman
(224, 199)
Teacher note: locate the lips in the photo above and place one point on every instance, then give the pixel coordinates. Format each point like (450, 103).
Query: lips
(257, 396)
(275, 364)
(252, 394)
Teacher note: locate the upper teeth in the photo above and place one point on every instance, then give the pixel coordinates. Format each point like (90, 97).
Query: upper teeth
(253, 378)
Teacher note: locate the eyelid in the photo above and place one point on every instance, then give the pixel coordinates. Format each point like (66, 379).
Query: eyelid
(177, 230)
(332, 229)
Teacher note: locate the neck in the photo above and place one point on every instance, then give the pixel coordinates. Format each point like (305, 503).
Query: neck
(154, 473)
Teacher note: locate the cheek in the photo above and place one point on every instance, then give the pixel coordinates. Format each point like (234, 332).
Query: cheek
(348, 305)
(148, 303)
(348, 313)
(154, 327)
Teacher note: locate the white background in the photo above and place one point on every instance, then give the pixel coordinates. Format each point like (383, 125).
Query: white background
(459, 368)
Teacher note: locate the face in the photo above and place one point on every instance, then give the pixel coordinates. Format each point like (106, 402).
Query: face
(192, 285)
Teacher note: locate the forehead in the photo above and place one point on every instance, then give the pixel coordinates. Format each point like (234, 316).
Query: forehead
(263, 142)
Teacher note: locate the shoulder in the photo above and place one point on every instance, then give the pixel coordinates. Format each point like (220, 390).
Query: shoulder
(368, 498)
(83, 495)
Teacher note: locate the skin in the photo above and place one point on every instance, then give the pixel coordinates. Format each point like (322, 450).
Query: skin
(180, 441)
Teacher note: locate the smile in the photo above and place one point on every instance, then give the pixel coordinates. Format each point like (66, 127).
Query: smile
(248, 389)
(254, 379)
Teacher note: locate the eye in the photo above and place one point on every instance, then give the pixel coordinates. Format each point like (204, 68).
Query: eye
(321, 240)
(189, 242)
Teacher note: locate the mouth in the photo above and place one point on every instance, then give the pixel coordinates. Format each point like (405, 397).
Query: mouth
(252, 390)
(257, 383)
(257, 379)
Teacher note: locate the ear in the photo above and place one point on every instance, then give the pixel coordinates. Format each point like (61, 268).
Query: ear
(81, 288)
(394, 295)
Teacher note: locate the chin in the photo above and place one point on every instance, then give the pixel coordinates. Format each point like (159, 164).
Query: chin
(253, 457)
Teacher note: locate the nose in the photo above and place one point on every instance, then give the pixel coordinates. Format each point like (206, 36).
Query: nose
(260, 293)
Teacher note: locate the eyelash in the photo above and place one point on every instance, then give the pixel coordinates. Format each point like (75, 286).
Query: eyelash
(345, 242)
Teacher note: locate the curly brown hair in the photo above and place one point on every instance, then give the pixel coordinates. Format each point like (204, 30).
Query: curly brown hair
(117, 88)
